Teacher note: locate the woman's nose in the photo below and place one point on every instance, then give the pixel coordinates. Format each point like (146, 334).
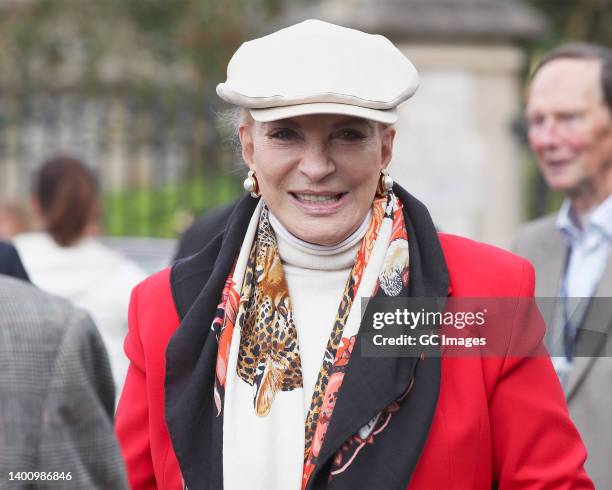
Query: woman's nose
(316, 163)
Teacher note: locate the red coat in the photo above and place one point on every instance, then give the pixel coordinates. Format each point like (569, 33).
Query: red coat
(496, 420)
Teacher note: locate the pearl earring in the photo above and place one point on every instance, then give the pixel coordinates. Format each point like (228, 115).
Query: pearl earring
(385, 184)
(251, 185)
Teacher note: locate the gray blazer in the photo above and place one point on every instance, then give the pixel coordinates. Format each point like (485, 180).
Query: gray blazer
(589, 386)
(56, 394)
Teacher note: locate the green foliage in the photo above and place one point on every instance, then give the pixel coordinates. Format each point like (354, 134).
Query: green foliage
(585, 20)
(572, 20)
(164, 211)
(163, 55)
(201, 33)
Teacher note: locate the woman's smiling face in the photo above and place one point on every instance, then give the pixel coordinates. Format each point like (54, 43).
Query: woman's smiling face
(318, 173)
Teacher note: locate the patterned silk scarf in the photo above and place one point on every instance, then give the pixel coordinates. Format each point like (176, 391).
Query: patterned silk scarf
(258, 384)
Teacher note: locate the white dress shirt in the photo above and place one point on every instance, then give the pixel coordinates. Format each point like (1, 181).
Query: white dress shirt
(588, 239)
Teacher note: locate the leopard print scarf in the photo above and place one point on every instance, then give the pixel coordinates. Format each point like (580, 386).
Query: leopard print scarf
(258, 382)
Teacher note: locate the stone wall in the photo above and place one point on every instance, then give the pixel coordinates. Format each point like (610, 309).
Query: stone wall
(455, 149)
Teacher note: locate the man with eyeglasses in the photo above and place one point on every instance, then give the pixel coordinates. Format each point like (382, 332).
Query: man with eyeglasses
(569, 113)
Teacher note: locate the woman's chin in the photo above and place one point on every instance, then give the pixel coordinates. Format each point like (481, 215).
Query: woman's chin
(326, 234)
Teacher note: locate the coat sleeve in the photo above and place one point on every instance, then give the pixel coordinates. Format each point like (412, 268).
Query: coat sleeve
(535, 443)
(132, 417)
(76, 430)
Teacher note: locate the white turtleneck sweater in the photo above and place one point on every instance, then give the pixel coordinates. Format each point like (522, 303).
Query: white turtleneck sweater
(316, 276)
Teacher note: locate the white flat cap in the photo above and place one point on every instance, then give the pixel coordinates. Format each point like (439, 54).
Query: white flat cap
(319, 68)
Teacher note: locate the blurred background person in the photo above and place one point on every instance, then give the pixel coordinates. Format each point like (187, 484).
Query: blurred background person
(10, 263)
(13, 220)
(56, 395)
(569, 112)
(65, 258)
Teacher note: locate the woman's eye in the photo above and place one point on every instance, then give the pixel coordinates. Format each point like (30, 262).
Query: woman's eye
(283, 134)
(349, 134)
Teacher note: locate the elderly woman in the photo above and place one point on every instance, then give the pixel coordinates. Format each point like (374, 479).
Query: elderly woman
(244, 366)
